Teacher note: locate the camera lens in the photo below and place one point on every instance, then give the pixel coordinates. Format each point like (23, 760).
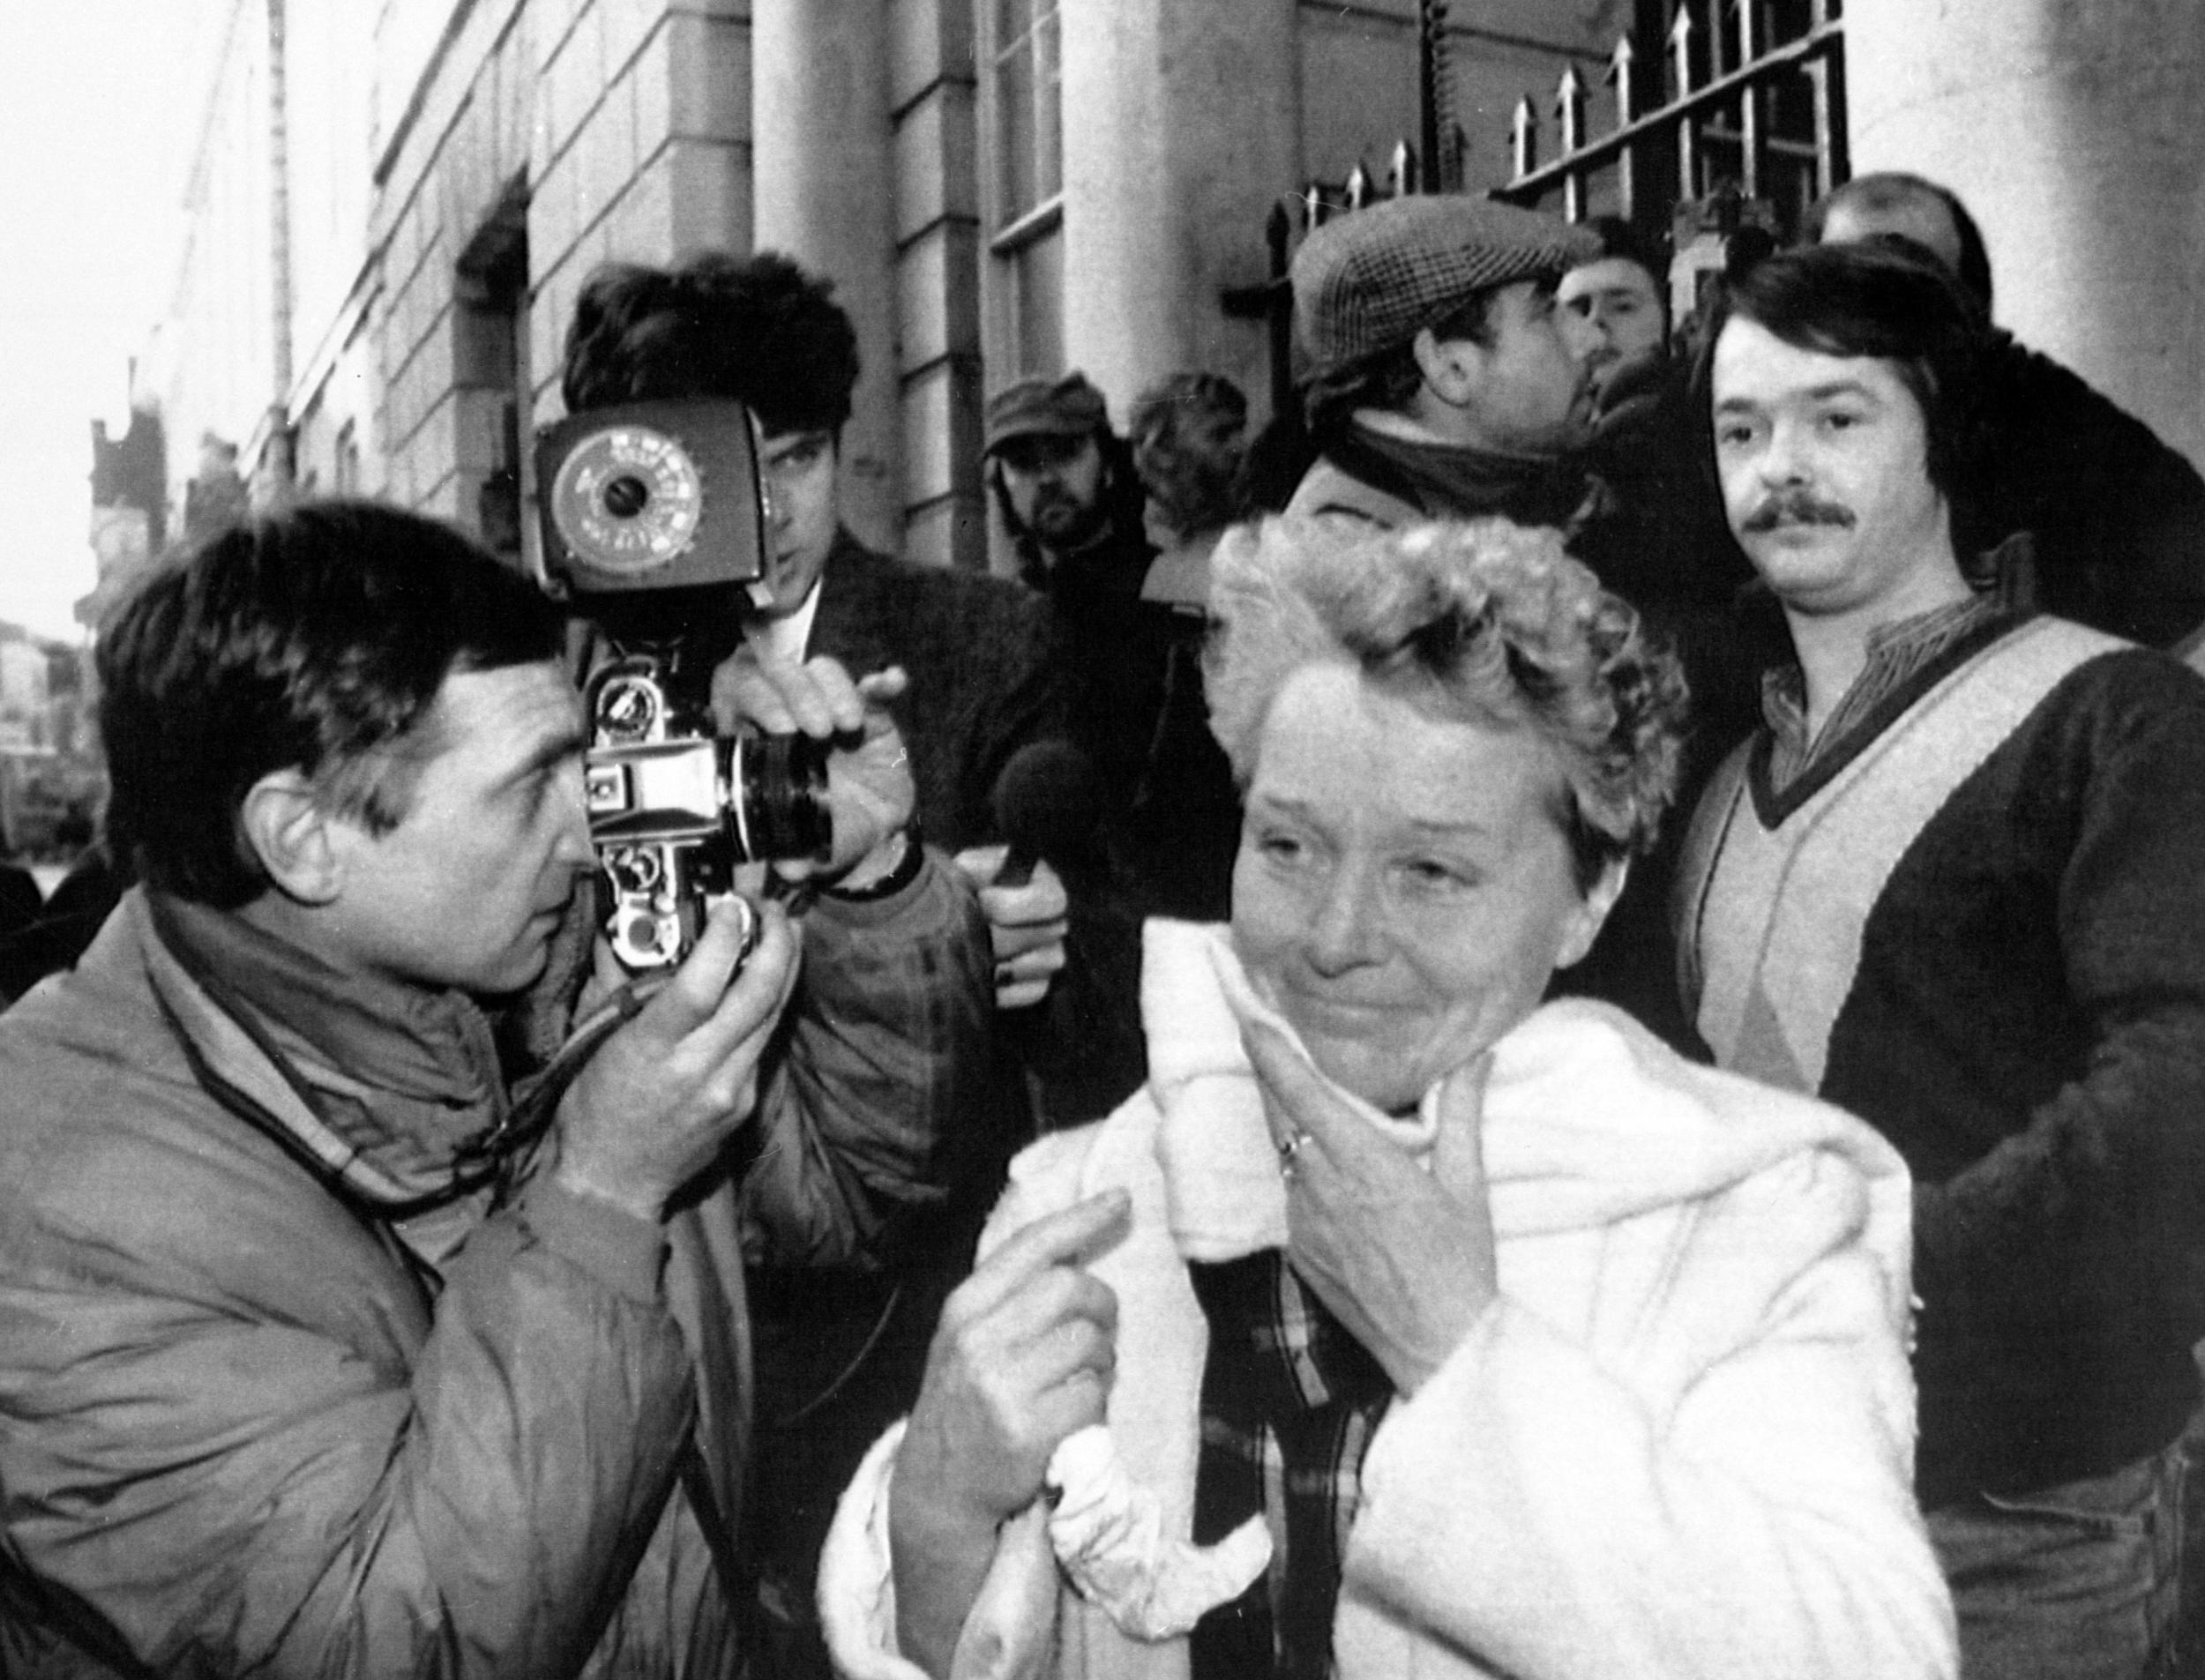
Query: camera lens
(781, 782)
(626, 496)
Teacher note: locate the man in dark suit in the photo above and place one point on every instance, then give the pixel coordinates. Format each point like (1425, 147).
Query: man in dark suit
(840, 1348)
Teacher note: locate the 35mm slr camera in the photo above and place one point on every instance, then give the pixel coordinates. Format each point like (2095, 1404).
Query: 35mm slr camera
(674, 808)
(654, 519)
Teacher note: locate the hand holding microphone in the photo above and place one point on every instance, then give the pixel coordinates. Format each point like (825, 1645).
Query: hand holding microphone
(1046, 804)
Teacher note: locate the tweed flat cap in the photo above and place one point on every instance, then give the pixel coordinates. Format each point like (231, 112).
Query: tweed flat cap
(1037, 407)
(1371, 280)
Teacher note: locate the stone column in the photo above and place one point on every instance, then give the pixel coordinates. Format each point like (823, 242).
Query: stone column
(2069, 127)
(1181, 127)
(822, 181)
(938, 241)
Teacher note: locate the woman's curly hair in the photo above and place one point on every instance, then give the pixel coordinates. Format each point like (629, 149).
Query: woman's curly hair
(1487, 621)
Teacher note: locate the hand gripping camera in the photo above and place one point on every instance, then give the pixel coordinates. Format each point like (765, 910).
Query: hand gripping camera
(673, 808)
(654, 522)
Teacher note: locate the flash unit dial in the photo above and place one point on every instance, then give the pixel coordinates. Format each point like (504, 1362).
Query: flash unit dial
(628, 499)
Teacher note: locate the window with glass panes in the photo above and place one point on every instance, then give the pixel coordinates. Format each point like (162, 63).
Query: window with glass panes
(1029, 174)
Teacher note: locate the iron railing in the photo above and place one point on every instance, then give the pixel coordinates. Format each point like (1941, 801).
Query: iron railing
(1737, 119)
(1746, 96)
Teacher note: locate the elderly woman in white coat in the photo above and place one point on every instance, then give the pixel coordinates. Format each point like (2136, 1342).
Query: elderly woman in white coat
(1404, 1326)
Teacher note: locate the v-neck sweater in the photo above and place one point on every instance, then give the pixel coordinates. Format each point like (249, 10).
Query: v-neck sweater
(1978, 922)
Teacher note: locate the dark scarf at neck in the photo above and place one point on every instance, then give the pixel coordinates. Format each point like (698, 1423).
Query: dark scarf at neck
(1446, 481)
(1289, 1403)
(401, 1086)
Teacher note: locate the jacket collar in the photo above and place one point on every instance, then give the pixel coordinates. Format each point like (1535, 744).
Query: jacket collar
(389, 1089)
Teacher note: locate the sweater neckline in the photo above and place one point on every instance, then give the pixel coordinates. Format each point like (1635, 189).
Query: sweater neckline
(1773, 808)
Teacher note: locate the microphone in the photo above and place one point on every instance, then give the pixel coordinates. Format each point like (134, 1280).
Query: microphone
(1048, 802)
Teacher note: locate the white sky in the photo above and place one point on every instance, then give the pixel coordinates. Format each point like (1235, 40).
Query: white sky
(93, 121)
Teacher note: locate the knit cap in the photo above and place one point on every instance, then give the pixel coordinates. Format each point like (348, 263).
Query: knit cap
(1369, 281)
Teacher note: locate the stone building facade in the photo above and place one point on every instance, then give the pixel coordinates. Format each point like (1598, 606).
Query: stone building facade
(394, 204)
(386, 236)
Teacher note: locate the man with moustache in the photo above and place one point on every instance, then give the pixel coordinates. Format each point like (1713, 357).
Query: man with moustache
(1957, 884)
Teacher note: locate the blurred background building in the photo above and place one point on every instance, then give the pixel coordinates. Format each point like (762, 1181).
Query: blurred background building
(393, 205)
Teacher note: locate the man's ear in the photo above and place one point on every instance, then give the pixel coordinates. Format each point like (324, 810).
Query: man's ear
(288, 832)
(1592, 915)
(1451, 366)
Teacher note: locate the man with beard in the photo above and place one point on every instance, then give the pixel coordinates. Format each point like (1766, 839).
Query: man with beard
(1649, 447)
(1068, 493)
(1957, 884)
(1066, 487)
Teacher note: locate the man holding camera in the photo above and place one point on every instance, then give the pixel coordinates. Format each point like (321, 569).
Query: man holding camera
(322, 1350)
(843, 1313)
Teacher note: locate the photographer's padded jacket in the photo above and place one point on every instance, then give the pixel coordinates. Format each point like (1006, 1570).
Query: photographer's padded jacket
(262, 1416)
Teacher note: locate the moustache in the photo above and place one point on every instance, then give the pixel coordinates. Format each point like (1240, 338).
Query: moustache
(1057, 504)
(1797, 507)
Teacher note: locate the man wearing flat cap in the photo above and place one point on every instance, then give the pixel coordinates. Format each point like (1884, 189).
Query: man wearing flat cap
(1440, 380)
(1440, 384)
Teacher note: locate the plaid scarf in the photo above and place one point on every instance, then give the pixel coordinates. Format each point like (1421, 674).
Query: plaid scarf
(1289, 1403)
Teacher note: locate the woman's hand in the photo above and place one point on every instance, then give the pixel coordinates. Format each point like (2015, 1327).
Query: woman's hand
(1022, 1358)
(1402, 1257)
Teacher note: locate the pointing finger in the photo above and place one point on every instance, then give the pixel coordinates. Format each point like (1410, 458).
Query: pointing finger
(1078, 1234)
(745, 692)
(831, 701)
(884, 685)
